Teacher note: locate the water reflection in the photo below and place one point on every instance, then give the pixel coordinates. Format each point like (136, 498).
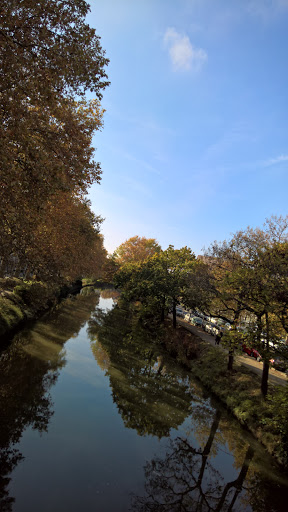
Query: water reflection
(150, 395)
(222, 473)
(210, 468)
(185, 480)
(28, 369)
(89, 460)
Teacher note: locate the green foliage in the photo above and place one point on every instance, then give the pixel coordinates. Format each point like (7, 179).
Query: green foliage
(232, 339)
(23, 299)
(123, 331)
(34, 294)
(159, 281)
(250, 278)
(276, 420)
(239, 391)
(10, 315)
(146, 387)
(180, 343)
(9, 283)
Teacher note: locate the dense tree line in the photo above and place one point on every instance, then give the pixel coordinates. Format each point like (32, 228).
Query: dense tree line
(50, 57)
(249, 279)
(245, 277)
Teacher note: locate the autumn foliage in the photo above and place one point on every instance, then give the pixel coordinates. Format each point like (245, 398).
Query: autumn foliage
(49, 58)
(136, 249)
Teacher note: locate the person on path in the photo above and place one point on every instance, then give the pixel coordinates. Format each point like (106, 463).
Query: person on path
(217, 339)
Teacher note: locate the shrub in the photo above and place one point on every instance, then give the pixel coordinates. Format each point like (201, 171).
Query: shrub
(10, 315)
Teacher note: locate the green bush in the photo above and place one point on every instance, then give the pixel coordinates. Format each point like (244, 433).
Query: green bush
(22, 299)
(35, 295)
(10, 315)
(276, 419)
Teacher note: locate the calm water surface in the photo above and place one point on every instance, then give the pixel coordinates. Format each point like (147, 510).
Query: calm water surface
(96, 418)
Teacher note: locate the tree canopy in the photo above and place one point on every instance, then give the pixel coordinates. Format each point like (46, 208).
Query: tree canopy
(50, 58)
(160, 281)
(241, 279)
(136, 249)
(250, 275)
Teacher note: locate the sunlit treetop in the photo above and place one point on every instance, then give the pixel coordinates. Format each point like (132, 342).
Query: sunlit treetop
(136, 249)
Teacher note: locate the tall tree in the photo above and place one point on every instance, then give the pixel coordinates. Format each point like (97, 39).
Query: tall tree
(49, 58)
(160, 282)
(177, 265)
(255, 279)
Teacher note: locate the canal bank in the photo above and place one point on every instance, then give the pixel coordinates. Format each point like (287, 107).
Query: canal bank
(238, 390)
(22, 301)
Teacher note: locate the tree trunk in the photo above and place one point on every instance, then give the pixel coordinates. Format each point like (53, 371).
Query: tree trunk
(208, 445)
(163, 311)
(264, 381)
(238, 483)
(174, 314)
(265, 372)
(231, 349)
(230, 359)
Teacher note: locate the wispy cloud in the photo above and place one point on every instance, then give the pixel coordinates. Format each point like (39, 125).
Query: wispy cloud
(184, 56)
(273, 161)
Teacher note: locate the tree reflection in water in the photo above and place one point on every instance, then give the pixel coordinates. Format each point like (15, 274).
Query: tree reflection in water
(28, 369)
(150, 395)
(154, 396)
(190, 479)
(185, 481)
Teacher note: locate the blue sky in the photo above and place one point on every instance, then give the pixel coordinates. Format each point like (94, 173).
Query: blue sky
(195, 143)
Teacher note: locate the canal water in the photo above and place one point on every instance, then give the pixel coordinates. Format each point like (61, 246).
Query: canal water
(95, 417)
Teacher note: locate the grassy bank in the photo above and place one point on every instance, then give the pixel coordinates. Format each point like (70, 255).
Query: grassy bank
(239, 390)
(22, 300)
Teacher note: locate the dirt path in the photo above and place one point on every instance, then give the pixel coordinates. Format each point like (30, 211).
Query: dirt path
(275, 377)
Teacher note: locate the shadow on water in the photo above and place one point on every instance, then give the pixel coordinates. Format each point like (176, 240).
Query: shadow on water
(213, 465)
(28, 369)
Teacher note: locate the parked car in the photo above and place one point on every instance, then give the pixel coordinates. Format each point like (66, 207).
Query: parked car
(208, 327)
(251, 352)
(198, 322)
(205, 325)
(280, 364)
